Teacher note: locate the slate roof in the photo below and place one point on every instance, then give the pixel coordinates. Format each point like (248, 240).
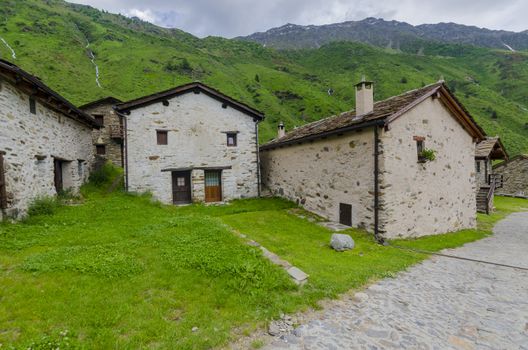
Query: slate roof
(105, 100)
(520, 157)
(46, 95)
(491, 147)
(384, 112)
(187, 88)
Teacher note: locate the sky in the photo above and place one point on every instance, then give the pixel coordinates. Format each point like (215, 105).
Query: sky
(230, 18)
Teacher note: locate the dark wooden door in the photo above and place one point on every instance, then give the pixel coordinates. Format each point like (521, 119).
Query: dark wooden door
(345, 214)
(213, 186)
(58, 175)
(3, 191)
(181, 187)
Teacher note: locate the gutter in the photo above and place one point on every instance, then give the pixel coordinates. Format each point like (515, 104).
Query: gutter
(378, 122)
(258, 156)
(377, 236)
(125, 147)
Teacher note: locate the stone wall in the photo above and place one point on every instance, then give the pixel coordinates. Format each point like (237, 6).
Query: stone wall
(103, 136)
(197, 126)
(32, 142)
(515, 176)
(433, 197)
(320, 175)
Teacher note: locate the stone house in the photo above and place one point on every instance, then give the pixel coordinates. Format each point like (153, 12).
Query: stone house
(488, 150)
(108, 139)
(45, 142)
(514, 175)
(191, 144)
(402, 167)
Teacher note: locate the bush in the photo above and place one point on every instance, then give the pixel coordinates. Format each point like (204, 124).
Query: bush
(105, 175)
(43, 206)
(427, 155)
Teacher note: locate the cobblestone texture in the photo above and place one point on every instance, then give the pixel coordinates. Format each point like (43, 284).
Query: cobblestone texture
(443, 303)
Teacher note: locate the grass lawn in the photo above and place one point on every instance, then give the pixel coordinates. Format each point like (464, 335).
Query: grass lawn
(120, 271)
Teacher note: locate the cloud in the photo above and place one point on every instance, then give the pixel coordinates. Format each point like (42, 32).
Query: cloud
(230, 18)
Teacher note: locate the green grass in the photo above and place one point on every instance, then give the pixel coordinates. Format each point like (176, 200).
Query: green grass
(122, 271)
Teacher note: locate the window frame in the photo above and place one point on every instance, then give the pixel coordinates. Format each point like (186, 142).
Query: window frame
(159, 137)
(99, 116)
(97, 150)
(420, 146)
(32, 105)
(234, 137)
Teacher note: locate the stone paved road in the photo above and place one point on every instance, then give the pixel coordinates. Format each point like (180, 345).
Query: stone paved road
(442, 303)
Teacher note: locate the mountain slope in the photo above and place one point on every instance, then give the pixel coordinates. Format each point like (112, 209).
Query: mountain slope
(389, 34)
(135, 58)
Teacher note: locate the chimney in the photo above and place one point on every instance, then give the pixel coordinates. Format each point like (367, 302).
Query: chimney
(280, 130)
(364, 97)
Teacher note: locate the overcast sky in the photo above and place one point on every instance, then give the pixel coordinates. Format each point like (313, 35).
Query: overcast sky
(231, 18)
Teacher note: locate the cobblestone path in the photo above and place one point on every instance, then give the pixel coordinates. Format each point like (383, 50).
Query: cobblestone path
(442, 303)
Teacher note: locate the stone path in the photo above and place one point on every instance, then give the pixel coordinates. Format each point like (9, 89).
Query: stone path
(442, 303)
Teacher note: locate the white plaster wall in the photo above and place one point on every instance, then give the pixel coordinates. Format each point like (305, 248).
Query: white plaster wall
(431, 198)
(47, 133)
(196, 138)
(321, 174)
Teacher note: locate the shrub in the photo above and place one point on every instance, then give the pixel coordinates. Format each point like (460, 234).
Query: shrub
(403, 80)
(44, 205)
(105, 175)
(427, 155)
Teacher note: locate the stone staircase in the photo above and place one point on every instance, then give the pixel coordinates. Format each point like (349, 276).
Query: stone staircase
(485, 199)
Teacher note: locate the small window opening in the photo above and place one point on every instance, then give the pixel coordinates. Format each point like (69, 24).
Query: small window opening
(231, 139)
(162, 137)
(100, 149)
(99, 118)
(478, 166)
(32, 105)
(420, 146)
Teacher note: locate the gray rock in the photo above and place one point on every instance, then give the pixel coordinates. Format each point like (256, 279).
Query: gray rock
(273, 329)
(298, 276)
(341, 242)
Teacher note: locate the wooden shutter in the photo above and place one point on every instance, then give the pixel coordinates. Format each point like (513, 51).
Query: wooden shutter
(162, 137)
(3, 191)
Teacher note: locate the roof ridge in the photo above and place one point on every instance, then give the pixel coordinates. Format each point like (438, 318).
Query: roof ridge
(365, 115)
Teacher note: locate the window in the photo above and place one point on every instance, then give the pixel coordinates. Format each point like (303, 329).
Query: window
(32, 105)
(477, 164)
(100, 149)
(80, 168)
(420, 146)
(231, 139)
(162, 137)
(99, 118)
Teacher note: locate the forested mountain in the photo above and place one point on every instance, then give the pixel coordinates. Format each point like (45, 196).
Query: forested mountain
(64, 44)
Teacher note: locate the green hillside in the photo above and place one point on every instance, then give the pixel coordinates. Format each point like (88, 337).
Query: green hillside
(136, 58)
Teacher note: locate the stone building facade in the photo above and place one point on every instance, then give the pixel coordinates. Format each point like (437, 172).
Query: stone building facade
(108, 140)
(45, 142)
(370, 170)
(191, 144)
(514, 174)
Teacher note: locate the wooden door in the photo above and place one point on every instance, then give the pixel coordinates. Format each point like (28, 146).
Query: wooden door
(345, 214)
(3, 191)
(58, 175)
(181, 187)
(213, 186)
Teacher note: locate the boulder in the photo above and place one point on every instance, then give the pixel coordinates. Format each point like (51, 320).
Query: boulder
(341, 242)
